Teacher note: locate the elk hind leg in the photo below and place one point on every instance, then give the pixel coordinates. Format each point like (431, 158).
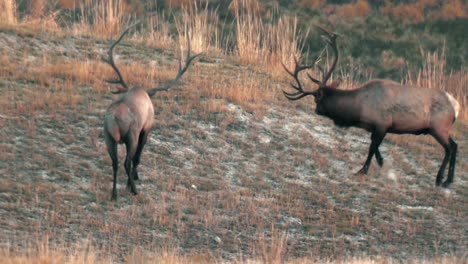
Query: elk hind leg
(453, 158)
(112, 150)
(136, 159)
(443, 140)
(131, 145)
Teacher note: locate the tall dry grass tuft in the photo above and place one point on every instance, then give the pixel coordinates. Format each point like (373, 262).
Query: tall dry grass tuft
(201, 23)
(166, 256)
(101, 18)
(37, 9)
(431, 75)
(41, 14)
(266, 43)
(158, 32)
(274, 250)
(45, 252)
(8, 11)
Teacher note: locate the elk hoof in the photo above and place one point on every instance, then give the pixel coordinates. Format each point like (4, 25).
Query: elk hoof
(131, 187)
(114, 196)
(362, 171)
(135, 176)
(446, 184)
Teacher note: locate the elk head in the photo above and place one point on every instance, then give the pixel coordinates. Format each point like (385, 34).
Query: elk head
(323, 87)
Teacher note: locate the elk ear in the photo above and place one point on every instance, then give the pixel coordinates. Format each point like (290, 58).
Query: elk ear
(335, 84)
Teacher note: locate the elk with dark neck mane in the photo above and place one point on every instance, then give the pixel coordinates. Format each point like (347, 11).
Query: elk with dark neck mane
(383, 106)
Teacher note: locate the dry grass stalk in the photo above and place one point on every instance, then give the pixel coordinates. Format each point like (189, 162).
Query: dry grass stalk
(44, 251)
(273, 251)
(100, 18)
(264, 43)
(8, 11)
(199, 23)
(158, 32)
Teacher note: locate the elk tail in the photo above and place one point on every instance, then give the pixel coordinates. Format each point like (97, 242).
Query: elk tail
(455, 105)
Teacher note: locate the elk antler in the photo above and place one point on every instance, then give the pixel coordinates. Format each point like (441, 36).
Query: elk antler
(300, 90)
(180, 72)
(111, 62)
(330, 38)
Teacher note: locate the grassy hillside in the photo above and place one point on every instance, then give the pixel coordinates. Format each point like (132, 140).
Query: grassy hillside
(232, 172)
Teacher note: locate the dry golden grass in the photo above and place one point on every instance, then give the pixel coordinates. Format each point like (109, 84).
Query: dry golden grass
(8, 12)
(158, 33)
(263, 43)
(100, 18)
(44, 252)
(200, 24)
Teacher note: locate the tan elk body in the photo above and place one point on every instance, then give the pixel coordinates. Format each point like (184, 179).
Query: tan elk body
(130, 119)
(134, 111)
(384, 106)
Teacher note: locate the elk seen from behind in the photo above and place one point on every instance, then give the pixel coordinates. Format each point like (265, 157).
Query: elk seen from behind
(383, 106)
(130, 119)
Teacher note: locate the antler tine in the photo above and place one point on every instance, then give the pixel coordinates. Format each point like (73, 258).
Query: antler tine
(295, 96)
(330, 38)
(313, 79)
(326, 32)
(286, 69)
(295, 74)
(111, 62)
(180, 72)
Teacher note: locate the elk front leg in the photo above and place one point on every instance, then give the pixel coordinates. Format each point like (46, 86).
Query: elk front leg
(378, 157)
(376, 139)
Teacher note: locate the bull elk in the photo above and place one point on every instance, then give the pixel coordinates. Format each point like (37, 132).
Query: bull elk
(382, 106)
(130, 119)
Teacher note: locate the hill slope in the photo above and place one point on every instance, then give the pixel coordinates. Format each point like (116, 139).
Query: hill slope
(220, 178)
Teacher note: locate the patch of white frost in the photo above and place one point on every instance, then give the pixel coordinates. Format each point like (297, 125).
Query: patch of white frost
(241, 115)
(422, 208)
(392, 175)
(264, 139)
